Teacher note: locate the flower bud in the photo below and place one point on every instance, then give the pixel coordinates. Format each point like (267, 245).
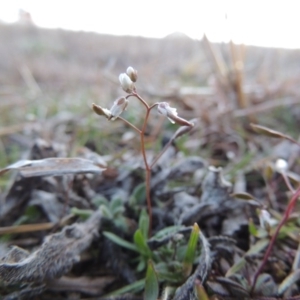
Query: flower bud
(101, 111)
(132, 73)
(165, 109)
(126, 83)
(265, 220)
(118, 107)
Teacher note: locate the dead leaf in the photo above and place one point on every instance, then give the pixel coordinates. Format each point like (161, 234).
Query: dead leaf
(271, 133)
(54, 258)
(53, 167)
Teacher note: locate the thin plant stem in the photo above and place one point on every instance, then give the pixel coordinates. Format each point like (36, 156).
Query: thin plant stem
(287, 213)
(161, 153)
(143, 150)
(148, 170)
(287, 182)
(130, 124)
(152, 106)
(142, 100)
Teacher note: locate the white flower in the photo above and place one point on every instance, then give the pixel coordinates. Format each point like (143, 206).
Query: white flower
(265, 219)
(281, 165)
(126, 83)
(170, 112)
(165, 109)
(132, 73)
(118, 107)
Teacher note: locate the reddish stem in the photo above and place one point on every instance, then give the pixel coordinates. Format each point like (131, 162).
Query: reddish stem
(143, 150)
(148, 168)
(287, 213)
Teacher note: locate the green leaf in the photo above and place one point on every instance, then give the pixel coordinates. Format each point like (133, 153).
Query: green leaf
(200, 291)
(151, 283)
(115, 204)
(138, 195)
(119, 241)
(99, 200)
(141, 244)
(236, 267)
(141, 266)
(31, 214)
(144, 223)
(191, 250)
(82, 213)
(252, 228)
(170, 272)
(257, 247)
(106, 212)
(167, 231)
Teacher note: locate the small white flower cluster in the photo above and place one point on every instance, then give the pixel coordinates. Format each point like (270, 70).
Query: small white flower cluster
(127, 81)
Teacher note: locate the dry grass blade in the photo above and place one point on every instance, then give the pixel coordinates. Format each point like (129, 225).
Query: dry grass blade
(53, 167)
(26, 228)
(12, 129)
(271, 133)
(288, 281)
(90, 286)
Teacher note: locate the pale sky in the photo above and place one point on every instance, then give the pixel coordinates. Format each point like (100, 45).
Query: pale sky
(261, 23)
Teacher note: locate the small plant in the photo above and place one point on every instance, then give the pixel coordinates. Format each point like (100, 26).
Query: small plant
(281, 168)
(167, 258)
(127, 81)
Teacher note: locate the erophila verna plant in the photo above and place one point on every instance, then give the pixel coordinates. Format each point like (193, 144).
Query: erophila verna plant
(127, 81)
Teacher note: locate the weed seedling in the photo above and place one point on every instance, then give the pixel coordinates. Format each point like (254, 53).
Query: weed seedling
(127, 81)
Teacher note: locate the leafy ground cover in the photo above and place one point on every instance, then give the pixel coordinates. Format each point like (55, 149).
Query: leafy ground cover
(216, 217)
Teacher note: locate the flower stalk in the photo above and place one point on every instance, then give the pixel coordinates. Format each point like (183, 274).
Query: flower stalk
(127, 81)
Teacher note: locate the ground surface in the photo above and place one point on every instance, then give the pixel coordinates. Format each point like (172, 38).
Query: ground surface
(70, 230)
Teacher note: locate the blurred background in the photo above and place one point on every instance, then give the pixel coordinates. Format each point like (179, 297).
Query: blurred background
(259, 23)
(227, 63)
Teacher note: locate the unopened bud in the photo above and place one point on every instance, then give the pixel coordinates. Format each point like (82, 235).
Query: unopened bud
(165, 109)
(126, 83)
(265, 219)
(132, 73)
(101, 111)
(118, 107)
